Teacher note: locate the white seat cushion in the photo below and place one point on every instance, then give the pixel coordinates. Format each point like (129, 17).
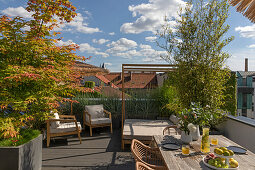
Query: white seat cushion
(55, 124)
(96, 111)
(100, 121)
(65, 127)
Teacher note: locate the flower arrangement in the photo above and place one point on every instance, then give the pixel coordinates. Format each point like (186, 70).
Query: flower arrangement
(189, 118)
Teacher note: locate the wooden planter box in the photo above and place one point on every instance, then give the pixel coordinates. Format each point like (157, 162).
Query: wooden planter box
(23, 157)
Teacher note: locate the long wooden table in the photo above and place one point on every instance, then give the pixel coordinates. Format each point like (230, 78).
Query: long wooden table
(176, 161)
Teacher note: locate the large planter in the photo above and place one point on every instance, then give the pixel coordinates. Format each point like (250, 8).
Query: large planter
(186, 138)
(24, 157)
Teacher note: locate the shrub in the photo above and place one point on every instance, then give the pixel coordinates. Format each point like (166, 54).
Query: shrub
(89, 84)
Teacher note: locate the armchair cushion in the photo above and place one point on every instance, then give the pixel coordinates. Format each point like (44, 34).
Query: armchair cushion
(65, 127)
(100, 121)
(55, 124)
(96, 111)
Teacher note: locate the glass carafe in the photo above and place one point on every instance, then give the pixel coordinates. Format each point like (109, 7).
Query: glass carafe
(205, 142)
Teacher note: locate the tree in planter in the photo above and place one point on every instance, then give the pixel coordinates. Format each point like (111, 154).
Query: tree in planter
(35, 72)
(196, 45)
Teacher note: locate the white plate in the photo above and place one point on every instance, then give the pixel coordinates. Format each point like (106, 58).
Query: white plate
(213, 167)
(171, 146)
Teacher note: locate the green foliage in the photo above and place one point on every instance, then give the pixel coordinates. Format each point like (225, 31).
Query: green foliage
(25, 136)
(141, 104)
(89, 84)
(196, 48)
(168, 100)
(230, 100)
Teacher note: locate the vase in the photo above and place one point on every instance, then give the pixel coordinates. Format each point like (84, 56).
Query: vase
(186, 138)
(205, 143)
(195, 135)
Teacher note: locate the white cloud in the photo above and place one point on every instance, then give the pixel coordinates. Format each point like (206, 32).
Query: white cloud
(109, 64)
(247, 31)
(19, 11)
(76, 25)
(112, 33)
(85, 47)
(123, 44)
(100, 41)
(150, 39)
(80, 26)
(251, 46)
(126, 48)
(143, 46)
(151, 15)
(64, 43)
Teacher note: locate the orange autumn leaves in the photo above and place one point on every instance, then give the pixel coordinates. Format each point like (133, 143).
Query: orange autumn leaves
(36, 74)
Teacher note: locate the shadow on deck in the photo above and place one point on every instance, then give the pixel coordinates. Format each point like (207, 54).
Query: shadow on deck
(101, 151)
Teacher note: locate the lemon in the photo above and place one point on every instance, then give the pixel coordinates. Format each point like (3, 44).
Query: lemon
(233, 163)
(226, 153)
(231, 152)
(223, 148)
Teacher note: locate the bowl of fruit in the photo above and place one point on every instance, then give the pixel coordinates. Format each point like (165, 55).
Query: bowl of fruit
(216, 162)
(223, 152)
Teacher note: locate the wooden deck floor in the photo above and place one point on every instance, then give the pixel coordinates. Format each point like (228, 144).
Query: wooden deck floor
(102, 151)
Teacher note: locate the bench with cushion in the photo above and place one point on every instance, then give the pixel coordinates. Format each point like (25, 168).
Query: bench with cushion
(62, 125)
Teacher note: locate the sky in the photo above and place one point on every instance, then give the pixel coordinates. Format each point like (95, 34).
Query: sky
(116, 32)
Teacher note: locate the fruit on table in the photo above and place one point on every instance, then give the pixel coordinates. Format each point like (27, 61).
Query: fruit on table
(233, 163)
(217, 162)
(226, 153)
(231, 152)
(218, 151)
(223, 149)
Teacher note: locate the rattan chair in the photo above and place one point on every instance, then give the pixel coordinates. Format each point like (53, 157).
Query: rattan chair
(142, 166)
(147, 155)
(170, 130)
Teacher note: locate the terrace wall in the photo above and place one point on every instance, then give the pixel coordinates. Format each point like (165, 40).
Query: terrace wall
(240, 130)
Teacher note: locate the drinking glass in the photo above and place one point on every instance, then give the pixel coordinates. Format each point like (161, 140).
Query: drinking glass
(214, 141)
(185, 149)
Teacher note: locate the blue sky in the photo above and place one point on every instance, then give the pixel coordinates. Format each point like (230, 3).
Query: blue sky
(123, 31)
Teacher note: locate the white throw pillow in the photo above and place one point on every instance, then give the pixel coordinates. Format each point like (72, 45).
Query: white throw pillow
(96, 111)
(55, 124)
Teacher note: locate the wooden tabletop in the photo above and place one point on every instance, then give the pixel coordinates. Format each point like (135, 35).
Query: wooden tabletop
(176, 161)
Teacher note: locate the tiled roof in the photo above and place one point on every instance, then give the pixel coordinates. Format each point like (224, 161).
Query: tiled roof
(88, 69)
(105, 80)
(138, 80)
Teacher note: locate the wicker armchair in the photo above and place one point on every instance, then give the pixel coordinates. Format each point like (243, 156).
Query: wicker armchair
(170, 130)
(142, 166)
(62, 125)
(147, 155)
(95, 116)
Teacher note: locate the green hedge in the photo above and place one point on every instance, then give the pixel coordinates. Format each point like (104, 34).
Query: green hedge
(89, 84)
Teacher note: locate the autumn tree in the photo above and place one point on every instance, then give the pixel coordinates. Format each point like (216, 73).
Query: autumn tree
(35, 73)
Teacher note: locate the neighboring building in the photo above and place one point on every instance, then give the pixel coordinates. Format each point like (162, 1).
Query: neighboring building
(99, 80)
(142, 80)
(245, 92)
(85, 69)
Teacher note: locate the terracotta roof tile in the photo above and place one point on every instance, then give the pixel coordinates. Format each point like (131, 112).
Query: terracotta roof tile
(138, 80)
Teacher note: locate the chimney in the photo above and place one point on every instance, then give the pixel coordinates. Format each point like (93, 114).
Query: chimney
(246, 64)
